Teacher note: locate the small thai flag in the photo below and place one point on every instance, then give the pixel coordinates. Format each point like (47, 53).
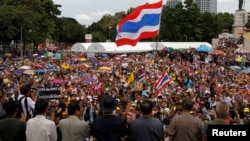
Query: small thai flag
(141, 77)
(98, 85)
(162, 82)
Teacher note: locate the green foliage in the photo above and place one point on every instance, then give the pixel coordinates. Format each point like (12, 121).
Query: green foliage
(38, 19)
(70, 31)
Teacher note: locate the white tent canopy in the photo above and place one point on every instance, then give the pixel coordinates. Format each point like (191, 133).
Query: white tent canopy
(101, 47)
(179, 45)
(80, 47)
(110, 47)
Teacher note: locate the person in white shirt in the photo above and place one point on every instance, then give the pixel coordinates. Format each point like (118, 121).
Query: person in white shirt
(28, 104)
(39, 128)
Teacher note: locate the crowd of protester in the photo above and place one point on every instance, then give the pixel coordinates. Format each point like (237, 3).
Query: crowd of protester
(113, 96)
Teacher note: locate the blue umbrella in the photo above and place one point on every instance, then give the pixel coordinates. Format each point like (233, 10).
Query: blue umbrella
(49, 66)
(53, 69)
(40, 71)
(246, 70)
(203, 48)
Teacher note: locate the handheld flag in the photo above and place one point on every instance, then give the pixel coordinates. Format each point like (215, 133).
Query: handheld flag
(162, 82)
(131, 78)
(141, 77)
(98, 85)
(142, 23)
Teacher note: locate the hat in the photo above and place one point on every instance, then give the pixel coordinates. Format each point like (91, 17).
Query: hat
(108, 104)
(246, 110)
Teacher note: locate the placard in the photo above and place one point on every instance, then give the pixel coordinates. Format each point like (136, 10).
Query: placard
(49, 92)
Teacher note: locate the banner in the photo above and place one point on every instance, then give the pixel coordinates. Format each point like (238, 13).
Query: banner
(48, 92)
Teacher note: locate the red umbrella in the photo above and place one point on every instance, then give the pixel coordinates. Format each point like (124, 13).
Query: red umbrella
(38, 66)
(57, 81)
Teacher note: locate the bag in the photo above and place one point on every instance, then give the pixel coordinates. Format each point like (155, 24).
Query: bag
(20, 108)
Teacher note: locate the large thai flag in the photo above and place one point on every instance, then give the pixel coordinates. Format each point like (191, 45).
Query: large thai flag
(142, 23)
(162, 82)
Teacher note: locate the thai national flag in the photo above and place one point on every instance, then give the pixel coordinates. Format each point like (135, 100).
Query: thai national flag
(98, 85)
(247, 87)
(162, 82)
(141, 77)
(142, 23)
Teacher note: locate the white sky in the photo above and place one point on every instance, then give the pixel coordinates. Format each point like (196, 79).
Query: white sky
(89, 11)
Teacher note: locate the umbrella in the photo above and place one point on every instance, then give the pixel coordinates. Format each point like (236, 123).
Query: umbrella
(90, 79)
(57, 81)
(49, 66)
(216, 52)
(58, 55)
(246, 70)
(38, 65)
(105, 68)
(49, 54)
(235, 68)
(52, 69)
(82, 59)
(40, 71)
(18, 71)
(29, 72)
(25, 67)
(167, 49)
(203, 48)
(84, 65)
(65, 66)
(240, 59)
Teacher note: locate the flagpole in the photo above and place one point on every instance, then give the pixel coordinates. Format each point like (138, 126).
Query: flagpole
(157, 37)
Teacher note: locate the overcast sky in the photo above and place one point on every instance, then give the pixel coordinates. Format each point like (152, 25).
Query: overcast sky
(88, 11)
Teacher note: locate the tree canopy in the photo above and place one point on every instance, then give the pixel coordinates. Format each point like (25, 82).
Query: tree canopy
(38, 20)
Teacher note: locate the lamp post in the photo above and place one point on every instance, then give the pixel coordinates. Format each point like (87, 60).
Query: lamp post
(185, 37)
(109, 34)
(21, 48)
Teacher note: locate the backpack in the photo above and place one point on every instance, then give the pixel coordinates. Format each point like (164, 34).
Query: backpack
(20, 108)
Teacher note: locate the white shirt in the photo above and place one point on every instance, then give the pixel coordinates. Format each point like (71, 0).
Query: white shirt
(40, 129)
(30, 105)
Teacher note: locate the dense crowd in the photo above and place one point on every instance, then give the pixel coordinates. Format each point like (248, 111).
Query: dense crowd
(74, 84)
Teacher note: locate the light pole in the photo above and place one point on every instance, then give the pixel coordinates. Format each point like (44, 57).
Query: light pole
(109, 34)
(21, 51)
(185, 37)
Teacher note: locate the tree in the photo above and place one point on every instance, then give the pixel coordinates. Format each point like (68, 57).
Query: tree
(34, 18)
(70, 31)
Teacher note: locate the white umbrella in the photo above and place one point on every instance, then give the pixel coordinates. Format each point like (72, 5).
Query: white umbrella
(29, 72)
(25, 67)
(234, 67)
